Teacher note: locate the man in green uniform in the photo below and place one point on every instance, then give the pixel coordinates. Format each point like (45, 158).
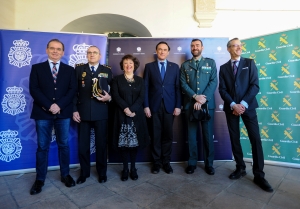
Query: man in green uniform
(199, 82)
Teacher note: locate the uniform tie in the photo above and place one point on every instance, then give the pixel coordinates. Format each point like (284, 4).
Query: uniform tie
(54, 72)
(162, 70)
(197, 63)
(93, 69)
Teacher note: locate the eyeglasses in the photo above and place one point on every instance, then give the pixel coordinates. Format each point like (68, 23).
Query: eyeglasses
(53, 49)
(237, 45)
(94, 53)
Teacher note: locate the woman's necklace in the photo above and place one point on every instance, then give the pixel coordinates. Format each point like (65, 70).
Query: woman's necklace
(129, 80)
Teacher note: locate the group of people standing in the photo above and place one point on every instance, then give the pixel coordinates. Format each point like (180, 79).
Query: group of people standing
(61, 93)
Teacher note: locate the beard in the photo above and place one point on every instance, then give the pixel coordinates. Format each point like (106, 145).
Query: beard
(196, 53)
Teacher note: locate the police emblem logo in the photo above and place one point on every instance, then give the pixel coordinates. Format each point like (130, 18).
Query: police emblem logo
(118, 49)
(10, 146)
(92, 145)
(80, 56)
(53, 136)
(20, 55)
(138, 49)
(179, 48)
(14, 102)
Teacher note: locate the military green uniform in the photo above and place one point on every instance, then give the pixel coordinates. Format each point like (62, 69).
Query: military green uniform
(199, 80)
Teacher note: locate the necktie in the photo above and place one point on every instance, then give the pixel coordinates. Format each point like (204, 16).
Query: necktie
(234, 67)
(197, 63)
(93, 69)
(162, 70)
(54, 72)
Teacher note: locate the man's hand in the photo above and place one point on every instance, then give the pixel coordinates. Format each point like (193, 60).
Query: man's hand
(238, 109)
(177, 111)
(197, 106)
(105, 97)
(147, 112)
(76, 117)
(201, 99)
(54, 108)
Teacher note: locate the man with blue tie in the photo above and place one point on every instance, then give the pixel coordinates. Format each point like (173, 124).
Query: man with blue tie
(162, 103)
(238, 87)
(52, 86)
(92, 112)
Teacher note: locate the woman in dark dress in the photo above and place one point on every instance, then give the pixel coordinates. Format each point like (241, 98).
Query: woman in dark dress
(130, 128)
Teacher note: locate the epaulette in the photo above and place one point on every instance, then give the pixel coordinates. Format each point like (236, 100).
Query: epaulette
(79, 64)
(207, 58)
(107, 66)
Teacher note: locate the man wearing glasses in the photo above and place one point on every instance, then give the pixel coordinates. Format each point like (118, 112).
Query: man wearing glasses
(238, 87)
(92, 112)
(52, 86)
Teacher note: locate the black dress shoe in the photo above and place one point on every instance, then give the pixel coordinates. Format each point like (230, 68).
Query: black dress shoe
(155, 168)
(210, 170)
(102, 179)
(81, 180)
(190, 169)
(263, 183)
(124, 176)
(133, 174)
(238, 173)
(68, 180)
(36, 187)
(168, 169)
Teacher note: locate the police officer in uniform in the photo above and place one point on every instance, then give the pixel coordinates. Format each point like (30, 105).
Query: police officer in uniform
(198, 82)
(91, 111)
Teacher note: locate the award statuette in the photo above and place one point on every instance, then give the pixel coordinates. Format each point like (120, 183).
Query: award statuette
(97, 90)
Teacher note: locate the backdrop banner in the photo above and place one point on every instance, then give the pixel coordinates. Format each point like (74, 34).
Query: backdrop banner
(144, 50)
(18, 51)
(277, 57)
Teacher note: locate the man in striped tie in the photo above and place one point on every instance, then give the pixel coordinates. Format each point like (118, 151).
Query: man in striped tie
(52, 86)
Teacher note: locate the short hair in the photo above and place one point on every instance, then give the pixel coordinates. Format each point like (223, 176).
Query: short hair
(197, 39)
(163, 42)
(135, 61)
(56, 40)
(229, 42)
(95, 47)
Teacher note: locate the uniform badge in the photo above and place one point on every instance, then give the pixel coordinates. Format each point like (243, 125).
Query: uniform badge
(83, 74)
(103, 75)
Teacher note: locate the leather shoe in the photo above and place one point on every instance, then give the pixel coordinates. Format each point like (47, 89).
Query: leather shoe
(168, 169)
(263, 183)
(210, 170)
(124, 176)
(68, 180)
(102, 179)
(155, 168)
(36, 187)
(133, 174)
(190, 169)
(238, 173)
(81, 180)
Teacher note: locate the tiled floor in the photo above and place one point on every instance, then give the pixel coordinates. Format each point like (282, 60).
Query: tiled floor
(177, 190)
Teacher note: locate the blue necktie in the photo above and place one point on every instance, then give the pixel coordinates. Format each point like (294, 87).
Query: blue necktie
(93, 69)
(162, 70)
(234, 67)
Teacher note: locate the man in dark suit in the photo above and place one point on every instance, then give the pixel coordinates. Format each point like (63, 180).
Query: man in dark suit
(199, 82)
(52, 86)
(162, 103)
(92, 112)
(238, 87)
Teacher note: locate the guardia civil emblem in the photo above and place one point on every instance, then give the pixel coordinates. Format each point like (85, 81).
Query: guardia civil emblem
(92, 145)
(20, 55)
(10, 146)
(14, 102)
(80, 56)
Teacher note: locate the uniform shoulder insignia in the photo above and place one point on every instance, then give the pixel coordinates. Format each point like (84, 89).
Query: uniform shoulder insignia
(79, 64)
(107, 66)
(204, 58)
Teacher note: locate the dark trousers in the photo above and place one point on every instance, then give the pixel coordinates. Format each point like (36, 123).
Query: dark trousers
(162, 135)
(250, 120)
(44, 136)
(84, 140)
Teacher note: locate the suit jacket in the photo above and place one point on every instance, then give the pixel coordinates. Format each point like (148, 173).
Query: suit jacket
(198, 81)
(45, 92)
(89, 108)
(244, 86)
(156, 88)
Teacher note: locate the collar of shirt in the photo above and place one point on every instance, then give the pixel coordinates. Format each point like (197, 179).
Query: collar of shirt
(197, 59)
(159, 65)
(96, 66)
(51, 65)
(237, 63)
